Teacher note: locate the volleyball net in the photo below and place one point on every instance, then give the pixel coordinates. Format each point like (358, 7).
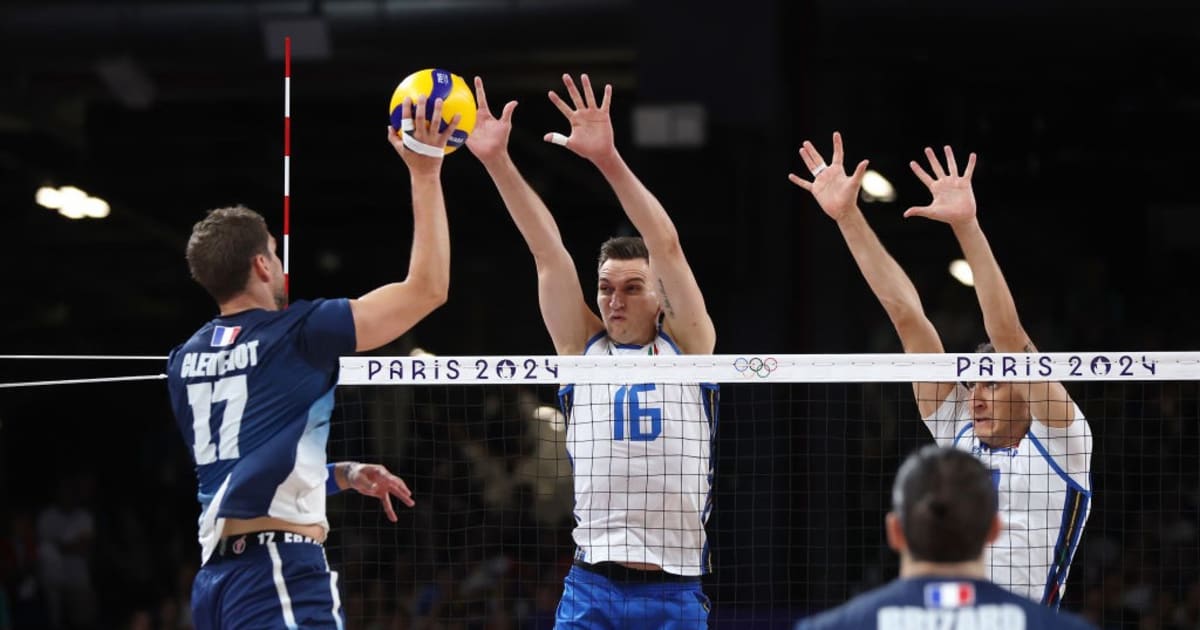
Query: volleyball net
(787, 461)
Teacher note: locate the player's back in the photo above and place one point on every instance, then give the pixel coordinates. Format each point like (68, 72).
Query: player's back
(933, 602)
(252, 393)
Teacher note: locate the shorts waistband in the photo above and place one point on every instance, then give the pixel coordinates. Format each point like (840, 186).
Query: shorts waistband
(233, 546)
(620, 573)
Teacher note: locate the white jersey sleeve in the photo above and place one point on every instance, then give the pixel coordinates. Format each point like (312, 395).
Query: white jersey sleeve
(951, 417)
(1070, 447)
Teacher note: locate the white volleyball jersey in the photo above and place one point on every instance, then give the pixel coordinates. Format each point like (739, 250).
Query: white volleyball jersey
(1045, 493)
(642, 461)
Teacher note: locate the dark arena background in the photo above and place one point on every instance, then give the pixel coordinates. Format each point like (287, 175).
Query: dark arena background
(1085, 117)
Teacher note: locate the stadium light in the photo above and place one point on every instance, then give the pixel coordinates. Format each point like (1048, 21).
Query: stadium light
(962, 272)
(72, 203)
(876, 187)
(551, 416)
(48, 197)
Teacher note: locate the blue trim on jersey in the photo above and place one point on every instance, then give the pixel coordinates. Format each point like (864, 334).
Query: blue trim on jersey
(566, 396)
(708, 398)
(1070, 529)
(1054, 465)
(962, 433)
(565, 400)
(591, 342)
(629, 346)
(708, 395)
(668, 339)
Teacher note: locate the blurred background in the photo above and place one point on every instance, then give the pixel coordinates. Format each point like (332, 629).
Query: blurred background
(1085, 119)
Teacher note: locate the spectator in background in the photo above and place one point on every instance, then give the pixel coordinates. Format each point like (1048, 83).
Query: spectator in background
(65, 530)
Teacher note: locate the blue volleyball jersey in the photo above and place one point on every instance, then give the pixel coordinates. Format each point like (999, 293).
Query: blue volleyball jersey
(252, 395)
(941, 602)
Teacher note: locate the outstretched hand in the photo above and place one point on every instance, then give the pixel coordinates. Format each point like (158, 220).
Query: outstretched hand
(591, 127)
(489, 139)
(426, 134)
(953, 199)
(835, 191)
(373, 480)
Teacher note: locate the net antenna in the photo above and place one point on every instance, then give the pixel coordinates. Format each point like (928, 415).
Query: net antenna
(287, 159)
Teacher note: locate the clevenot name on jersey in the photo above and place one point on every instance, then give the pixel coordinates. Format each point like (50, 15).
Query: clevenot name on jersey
(239, 357)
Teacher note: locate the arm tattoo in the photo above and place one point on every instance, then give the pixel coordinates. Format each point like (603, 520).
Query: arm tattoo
(662, 290)
(1029, 347)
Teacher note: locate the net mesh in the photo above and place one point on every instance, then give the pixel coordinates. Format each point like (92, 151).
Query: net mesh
(804, 459)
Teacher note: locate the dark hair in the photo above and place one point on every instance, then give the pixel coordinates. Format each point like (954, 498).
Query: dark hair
(222, 247)
(946, 502)
(624, 248)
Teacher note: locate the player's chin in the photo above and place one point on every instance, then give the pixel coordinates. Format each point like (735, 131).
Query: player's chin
(984, 427)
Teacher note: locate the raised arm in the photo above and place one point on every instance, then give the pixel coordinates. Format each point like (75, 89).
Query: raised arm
(837, 194)
(954, 203)
(687, 319)
(389, 311)
(564, 309)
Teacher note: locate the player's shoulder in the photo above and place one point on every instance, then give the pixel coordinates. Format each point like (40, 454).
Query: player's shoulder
(597, 343)
(859, 612)
(1036, 615)
(298, 312)
(198, 340)
(840, 618)
(300, 308)
(1045, 617)
(666, 344)
(1070, 621)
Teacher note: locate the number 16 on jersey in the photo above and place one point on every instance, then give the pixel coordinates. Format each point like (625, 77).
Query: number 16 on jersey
(628, 408)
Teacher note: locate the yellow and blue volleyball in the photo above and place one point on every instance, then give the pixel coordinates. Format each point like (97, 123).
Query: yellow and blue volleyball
(456, 95)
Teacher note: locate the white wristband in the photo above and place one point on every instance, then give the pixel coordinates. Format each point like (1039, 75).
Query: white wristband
(559, 139)
(416, 146)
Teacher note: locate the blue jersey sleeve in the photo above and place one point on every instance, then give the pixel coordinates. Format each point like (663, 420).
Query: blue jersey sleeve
(328, 332)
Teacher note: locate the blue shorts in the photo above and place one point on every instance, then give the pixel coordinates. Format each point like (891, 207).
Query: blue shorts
(592, 601)
(267, 580)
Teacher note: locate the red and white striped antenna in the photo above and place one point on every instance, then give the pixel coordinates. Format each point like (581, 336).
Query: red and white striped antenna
(287, 156)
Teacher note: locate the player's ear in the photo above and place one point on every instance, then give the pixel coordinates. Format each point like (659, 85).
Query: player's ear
(261, 267)
(895, 533)
(994, 530)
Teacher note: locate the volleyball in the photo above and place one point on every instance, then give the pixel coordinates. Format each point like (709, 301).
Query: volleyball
(456, 95)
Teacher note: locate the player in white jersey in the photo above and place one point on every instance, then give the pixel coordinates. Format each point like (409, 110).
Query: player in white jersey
(943, 519)
(1031, 435)
(641, 452)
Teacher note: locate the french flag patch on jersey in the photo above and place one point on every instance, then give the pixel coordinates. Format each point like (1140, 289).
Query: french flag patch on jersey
(949, 594)
(224, 336)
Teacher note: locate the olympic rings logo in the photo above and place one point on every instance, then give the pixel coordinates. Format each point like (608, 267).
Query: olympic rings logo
(755, 366)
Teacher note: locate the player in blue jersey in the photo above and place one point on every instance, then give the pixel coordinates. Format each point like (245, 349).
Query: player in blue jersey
(1031, 435)
(944, 513)
(252, 392)
(641, 453)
